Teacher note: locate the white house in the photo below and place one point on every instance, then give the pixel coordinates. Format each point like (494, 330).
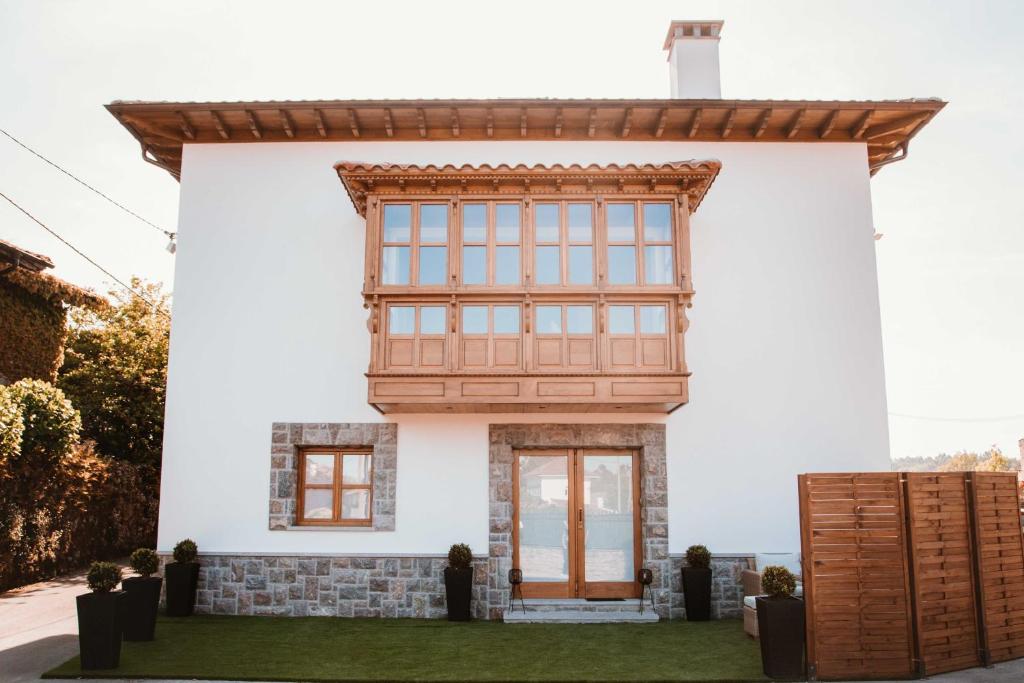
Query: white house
(578, 335)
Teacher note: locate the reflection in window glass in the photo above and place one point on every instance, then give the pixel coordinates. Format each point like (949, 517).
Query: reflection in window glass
(580, 319)
(355, 468)
(622, 265)
(506, 320)
(506, 265)
(397, 222)
(548, 267)
(431, 320)
(319, 468)
(401, 319)
(318, 504)
(620, 320)
(433, 223)
(581, 265)
(621, 223)
(549, 320)
(652, 320)
(474, 222)
(355, 504)
(580, 223)
(433, 264)
(395, 266)
(474, 265)
(474, 320)
(658, 265)
(507, 223)
(546, 222)
(657, 223)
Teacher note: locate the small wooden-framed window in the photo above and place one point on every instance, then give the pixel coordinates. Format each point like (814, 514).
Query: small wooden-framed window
(640, 252)
(491, 336)
(638, 336)
(564, 337)
(414, 244)
(563, 251)
(416, 336)
(491, 243)
(335, 487)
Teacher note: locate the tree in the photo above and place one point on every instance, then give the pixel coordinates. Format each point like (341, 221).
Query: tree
(994, 461)
(961, 462)
(115, 373)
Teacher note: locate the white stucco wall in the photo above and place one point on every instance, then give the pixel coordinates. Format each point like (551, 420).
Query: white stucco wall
(784, 345)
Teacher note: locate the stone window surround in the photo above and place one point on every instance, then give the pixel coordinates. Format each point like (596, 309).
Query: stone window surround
(288, 437)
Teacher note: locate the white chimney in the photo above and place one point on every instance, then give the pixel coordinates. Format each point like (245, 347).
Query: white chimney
(693, 59)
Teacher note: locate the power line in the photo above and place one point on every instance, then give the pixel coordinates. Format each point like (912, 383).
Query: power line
(83, 255)
(168, 233)
(1002, 418)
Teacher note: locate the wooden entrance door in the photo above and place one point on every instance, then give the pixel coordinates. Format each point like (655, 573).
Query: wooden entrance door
(576, 522)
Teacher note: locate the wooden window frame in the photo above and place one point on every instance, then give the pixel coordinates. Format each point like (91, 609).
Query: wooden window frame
(417, 335)
(337, 487)
(564, 243)
(566, 336)
(490, 243)
(490, 336)
(640, 244)
(415, 243)
(638, 337)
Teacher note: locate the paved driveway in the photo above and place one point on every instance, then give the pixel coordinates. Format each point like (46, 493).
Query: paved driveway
(39, 630)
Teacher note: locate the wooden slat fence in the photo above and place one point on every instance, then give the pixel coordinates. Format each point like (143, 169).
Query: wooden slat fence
(911, 574)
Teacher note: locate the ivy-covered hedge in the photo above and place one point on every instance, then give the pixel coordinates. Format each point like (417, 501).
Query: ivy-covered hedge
(63, 504)
(32, 333)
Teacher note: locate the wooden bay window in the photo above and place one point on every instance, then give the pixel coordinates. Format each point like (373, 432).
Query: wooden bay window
(335, 487)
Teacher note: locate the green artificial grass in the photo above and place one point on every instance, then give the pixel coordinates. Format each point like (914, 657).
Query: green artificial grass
(324, 649)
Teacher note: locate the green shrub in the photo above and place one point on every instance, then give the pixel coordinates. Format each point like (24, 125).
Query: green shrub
(186, 551)
(460, 556)
(12, 426)
(144, 561)
(50, 425)
(698, 557)
(103, 577)
(778, 581)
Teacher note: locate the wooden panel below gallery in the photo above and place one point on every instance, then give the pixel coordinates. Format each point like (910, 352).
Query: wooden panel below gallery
(661, 393)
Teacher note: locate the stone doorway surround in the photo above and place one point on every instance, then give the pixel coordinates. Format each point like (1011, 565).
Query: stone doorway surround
(648, 439)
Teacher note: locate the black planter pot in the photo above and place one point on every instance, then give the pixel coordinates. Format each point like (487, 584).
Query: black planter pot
(142, 597)
(182, 579)
(697, 593)
(99, 629)
(458, 589)
(780, 624)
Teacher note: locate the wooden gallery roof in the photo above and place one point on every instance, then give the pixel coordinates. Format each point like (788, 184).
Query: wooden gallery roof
(887, 127)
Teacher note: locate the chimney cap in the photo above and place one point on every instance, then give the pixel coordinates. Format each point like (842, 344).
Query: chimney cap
(692, 28)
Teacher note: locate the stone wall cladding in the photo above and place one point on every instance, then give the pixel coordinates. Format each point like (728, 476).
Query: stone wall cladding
(287, 437)
(726, 585)
(649, 439)
(299, 586)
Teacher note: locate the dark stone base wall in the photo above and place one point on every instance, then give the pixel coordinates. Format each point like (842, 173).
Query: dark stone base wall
(298, 586)
(726, 586)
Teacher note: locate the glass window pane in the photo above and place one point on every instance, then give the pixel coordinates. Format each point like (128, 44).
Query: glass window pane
(474, 222)
(657, 223)
(319, 468)
(581, 265)
(397, 222)
(507, 223)
(622, 265)
(433, 264)
(580, 319)
(581, 223)
(431, 320)
(355, 504)
(658, 265)
(543, 510)
(355, 468)
(474, 320)
(548, 266)
(434, 223)
(549, 320)
(621, 223)
(506, 266)
(608, 516)
(474, 265)
(506, 320)
(547, 222)
(652, 320)
(401, 319)
(395, 266)
(318, 504)
(620, 320)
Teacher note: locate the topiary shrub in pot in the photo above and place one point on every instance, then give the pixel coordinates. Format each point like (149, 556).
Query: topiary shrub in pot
(182, 577)
(697, 583)
(99, 618)
(780, 623)
(142, 595)
(458, 582)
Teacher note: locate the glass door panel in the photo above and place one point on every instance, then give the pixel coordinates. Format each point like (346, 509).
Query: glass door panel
(608, 517)
(542, 523)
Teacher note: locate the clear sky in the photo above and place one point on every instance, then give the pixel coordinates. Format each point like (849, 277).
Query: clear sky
(951, 263)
